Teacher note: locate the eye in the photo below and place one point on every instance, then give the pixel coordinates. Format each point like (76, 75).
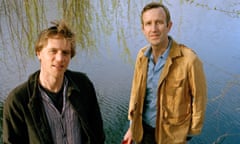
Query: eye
(52, 51)
(159, 22)
(66, 53)
(147, 23)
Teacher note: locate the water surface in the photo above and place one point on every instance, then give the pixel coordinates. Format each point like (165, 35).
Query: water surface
(211, 29)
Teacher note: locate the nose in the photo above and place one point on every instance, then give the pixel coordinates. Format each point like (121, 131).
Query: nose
(59, 56)
(153, 27)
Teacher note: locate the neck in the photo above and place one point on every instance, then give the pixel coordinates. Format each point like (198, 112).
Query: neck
(50, 83)
(158, 50)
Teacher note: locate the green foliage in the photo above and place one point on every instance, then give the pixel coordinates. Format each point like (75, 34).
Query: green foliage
(23, 20)
(78, 15)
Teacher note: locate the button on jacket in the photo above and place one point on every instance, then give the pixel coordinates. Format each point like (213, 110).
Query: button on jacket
(25, 121)
(181, 99)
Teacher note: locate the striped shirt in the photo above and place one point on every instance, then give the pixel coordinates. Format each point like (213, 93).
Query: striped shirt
(65, 126)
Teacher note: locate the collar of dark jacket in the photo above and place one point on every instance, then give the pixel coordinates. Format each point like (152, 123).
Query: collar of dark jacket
(33, 84)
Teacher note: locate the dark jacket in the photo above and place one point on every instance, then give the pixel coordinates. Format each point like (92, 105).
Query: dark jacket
(25, 121)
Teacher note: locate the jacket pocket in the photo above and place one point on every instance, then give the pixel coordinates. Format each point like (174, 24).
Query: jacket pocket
(176, 102)
(175, 121)
(174, 82)
(176, 129)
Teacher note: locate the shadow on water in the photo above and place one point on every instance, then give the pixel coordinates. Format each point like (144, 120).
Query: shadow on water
(112, 31)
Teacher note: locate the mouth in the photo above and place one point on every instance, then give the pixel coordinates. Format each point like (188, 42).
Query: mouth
(58, 67)
(154, 36)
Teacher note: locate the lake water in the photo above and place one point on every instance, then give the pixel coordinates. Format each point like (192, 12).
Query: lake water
(210, 28)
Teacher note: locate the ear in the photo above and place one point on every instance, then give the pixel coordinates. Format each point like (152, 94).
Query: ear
(38, 54)
(169, 25)
(142, 27)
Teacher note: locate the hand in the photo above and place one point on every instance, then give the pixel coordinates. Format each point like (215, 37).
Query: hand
(128, 137)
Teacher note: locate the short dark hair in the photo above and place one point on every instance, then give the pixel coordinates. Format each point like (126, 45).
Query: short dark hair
(59, 29)
(156, 5)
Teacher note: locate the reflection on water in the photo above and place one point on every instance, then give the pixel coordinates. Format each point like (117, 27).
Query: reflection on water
(111, 31)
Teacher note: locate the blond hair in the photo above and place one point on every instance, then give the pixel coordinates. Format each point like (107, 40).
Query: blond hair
(60, 30)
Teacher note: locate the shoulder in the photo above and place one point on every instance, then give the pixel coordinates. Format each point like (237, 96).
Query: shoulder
(141, 54)
(187, 51)
(76, 74)
(190, 55)
(17, 98)
(19, 90)
(142, 51)
(183, 51)
(24, 91)
(78, 78)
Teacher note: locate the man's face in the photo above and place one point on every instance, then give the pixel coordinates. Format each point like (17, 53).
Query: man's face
(55, 57)
(155, 27)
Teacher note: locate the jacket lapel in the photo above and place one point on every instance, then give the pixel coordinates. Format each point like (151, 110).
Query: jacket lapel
(37, 112)
(143, 68)
(174, 52)
(40, 121)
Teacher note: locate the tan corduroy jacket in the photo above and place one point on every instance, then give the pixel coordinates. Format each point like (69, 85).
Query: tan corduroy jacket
(182, 96)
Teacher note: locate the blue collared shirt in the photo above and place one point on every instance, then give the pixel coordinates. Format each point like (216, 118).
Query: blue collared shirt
(153, 75)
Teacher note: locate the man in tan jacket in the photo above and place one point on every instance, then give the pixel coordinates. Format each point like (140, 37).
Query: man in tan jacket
(169, 92)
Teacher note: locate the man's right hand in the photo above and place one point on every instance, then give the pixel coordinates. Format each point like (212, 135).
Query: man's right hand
(128, 137)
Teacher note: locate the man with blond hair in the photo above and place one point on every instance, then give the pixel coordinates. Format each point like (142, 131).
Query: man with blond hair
(55, 105)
